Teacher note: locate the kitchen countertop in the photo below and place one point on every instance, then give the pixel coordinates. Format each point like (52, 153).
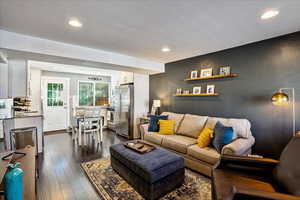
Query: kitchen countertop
(27, 115)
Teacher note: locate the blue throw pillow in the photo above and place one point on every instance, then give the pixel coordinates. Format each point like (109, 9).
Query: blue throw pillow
(222, 135)
(153, 126)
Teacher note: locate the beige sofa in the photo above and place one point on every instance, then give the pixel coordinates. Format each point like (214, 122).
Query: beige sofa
(184, 141)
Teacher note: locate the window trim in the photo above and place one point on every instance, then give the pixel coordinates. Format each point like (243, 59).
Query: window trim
(94, 95)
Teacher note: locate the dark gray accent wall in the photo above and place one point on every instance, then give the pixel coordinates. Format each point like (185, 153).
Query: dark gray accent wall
(262, 68)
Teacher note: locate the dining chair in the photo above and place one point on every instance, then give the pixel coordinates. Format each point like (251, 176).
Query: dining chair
(85, 118)
(92, 126)
(77, 115)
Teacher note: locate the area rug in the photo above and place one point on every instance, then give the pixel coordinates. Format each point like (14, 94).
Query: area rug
(111, 186)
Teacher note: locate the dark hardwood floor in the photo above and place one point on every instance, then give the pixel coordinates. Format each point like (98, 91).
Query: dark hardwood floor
(61, 176)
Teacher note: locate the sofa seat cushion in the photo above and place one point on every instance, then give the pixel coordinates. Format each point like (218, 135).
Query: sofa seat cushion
(178, 143)
(175, 117)
(153, 137)
(241, 127)
(192, 125)
(207, 154)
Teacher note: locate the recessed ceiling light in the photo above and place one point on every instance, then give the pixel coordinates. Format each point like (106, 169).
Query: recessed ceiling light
(165, 49)
(75, 23)
(269, 14)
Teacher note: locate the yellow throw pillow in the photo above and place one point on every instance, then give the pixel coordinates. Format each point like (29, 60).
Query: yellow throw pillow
(205, 137)
(166, 127)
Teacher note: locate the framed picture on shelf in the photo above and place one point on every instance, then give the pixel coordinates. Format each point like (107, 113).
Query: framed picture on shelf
(178, 91)
(206, 72)
(210, 89)
(196, 90)
(186, 92)
(225, 70)
(194, 74)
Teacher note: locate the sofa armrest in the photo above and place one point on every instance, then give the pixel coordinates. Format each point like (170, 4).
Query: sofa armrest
(144, 130)
(247, 163)
(239, 146)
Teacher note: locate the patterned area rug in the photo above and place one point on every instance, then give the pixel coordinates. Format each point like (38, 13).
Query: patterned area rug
(111, 186)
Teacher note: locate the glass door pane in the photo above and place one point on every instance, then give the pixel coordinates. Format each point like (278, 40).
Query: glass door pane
(54, 94)
(86, 94)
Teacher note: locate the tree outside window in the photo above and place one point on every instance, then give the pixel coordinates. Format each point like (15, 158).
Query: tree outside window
(93, 93)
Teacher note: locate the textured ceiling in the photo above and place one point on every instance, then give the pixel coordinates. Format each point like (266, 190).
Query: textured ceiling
(142, 27)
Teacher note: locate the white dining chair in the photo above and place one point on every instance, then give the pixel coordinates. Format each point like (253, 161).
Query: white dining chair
(91, 126)
(77, 113)
(83, 117)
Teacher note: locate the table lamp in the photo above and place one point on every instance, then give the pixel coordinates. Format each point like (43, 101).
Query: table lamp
(280, 98)
(156, 105)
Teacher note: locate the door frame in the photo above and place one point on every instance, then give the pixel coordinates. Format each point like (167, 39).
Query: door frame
(43, 78)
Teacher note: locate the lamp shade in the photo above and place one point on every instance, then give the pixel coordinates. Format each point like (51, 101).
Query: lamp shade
(156, 103)
(280, 98)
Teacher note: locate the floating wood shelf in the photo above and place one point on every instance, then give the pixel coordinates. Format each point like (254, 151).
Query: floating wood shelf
(211, 77)
(196, 95)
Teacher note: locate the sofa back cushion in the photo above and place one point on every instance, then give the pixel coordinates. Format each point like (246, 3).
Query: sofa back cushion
(241, 127)
(222, 136)
(175, 117)
(166, 127)
(192, 125)
(205, 137)
(153, 126)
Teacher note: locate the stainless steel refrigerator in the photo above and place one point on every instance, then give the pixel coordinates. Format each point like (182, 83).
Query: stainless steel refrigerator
(123, 105)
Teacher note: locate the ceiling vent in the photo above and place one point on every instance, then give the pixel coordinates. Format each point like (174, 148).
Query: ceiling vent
(3, 58)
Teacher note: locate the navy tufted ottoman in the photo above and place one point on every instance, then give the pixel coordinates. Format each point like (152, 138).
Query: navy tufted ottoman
(152, 174)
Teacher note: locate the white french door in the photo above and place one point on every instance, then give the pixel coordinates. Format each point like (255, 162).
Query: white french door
(55, 97)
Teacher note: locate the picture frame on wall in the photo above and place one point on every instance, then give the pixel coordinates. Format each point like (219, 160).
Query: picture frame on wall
(194, 74)
(210, 89)
(178, 91)
(196, 90)
(225, 70)
(206, 72)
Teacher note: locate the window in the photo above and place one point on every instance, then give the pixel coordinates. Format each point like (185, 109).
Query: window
(93, 93)
(55, 97)
(86, 94)
(101, 94)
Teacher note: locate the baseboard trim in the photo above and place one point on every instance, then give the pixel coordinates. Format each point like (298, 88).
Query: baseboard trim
(55, 132)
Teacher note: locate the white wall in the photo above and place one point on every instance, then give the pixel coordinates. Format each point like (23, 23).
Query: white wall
(13, 78)
(74, 78)
(141, 88)
(141, 98)
(35, 89)
(17, 77)
(13, 75)
(3, 81)
(126, 77)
